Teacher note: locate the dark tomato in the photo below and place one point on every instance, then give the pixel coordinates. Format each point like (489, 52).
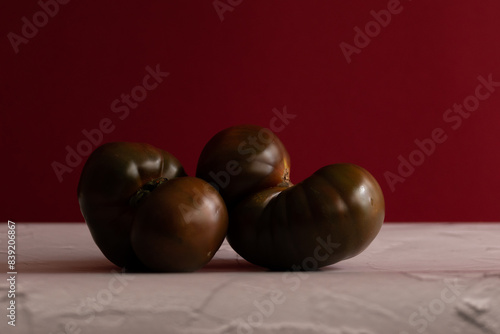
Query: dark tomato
(332, 215)
(112, 174)
(179, 226)
(243, 159)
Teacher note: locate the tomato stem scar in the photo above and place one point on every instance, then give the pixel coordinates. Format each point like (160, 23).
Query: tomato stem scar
(286, 179)
(145, 190)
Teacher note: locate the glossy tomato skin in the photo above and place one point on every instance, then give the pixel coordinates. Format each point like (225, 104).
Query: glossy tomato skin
(111, 175)
(243, 159)
(331, 216)
(179, 226)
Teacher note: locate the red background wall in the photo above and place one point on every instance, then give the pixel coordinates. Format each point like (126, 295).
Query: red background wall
(237, 66)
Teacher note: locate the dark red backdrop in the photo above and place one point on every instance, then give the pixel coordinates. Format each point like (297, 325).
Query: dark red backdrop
(366, 81)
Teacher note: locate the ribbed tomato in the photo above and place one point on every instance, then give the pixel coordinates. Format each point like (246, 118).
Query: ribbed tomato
(332, 215)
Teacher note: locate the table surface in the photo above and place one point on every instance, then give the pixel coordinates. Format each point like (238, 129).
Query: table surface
(414, 278)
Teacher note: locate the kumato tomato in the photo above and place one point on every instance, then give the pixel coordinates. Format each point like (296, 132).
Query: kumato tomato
(243, 159)
(180, 226)
(331, 216)
(116, 185)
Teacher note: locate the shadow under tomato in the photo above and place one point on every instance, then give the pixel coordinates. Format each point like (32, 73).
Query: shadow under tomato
(67, 266)
(102, 265)
(230, 265)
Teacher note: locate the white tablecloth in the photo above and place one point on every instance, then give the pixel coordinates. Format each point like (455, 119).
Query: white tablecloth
(414, 278)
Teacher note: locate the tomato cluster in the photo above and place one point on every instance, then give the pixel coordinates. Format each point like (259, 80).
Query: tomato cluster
(278, 225)
(143, 211)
